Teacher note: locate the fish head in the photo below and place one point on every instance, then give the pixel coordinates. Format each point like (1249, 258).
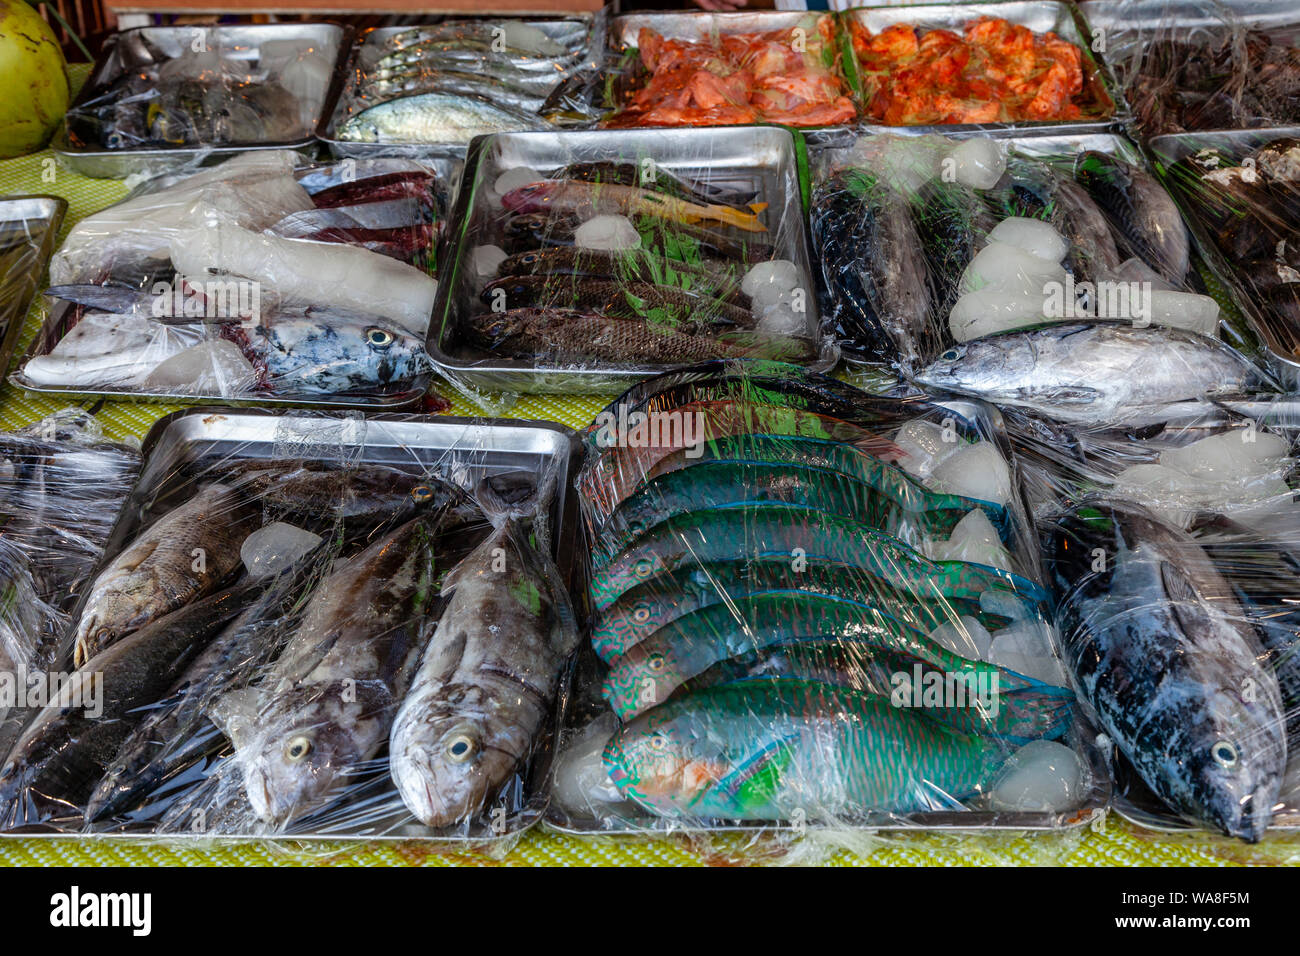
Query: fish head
(535, 197)
(110, 614)
(663, 762)
(327, 350)
(947, 371)
(650, 671)
(528, 225)
(461, 755)
(307, 747)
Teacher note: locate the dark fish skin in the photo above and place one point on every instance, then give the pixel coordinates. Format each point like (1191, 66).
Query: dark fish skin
(1140, 209)
(63, 752)
(630, 174)
(1162, 657)
(676, 240)
(874, 285)
(635, 265)
(617, 299)
(952, 222)
(572, 337)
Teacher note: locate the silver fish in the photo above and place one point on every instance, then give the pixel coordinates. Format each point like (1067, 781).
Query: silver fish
(433, 118)
(183, 555)
(1096, 373)
(486, 683)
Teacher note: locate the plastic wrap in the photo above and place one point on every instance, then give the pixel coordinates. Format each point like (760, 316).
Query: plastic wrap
(1190, 65)
(1048, 273)
(813, 608)
(314, 626)
(1019, 63)
(726, 69)
(589, 259)
(1240, 192)
(162, 94)
(446, 82)
(28, 227)
(251, 280)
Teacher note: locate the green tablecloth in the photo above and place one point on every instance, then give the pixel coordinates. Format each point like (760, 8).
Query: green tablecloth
(1105, 842)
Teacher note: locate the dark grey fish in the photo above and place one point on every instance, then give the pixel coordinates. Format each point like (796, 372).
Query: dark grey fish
(1165, 662)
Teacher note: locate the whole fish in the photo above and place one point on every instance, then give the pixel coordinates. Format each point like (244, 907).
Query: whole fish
(634, 265)
(675, 241)
(325, 709)
(776, 750)
(591, 199)
(632, 174)
(417, 81)
(952, 222)
(436, 117)
(665, 598)
(64, 751)
(1165, 662)
(1140, 209)
(574, 338)
(688, 309)
(652, 670)
(183, 555)
(806, 534)
(985, 701)
(874, 284)
(746, 484)
(1094, 374)
(514, 35)
(487, 681)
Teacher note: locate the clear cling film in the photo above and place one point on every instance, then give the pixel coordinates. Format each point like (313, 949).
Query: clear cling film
(312, 626)
(29, 227)
(812, 607)
(258, 279)
(585, 260)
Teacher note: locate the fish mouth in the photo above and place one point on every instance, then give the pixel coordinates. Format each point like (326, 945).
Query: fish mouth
(418, 784)
(1256, 815)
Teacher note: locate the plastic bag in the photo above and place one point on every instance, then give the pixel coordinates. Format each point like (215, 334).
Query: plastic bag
(1201, 64)
(192, 86)
(705, 69)
(812, 607)
(446, 82)
(588, 259)
(253, 278)
(315, 626)
(1053, 274)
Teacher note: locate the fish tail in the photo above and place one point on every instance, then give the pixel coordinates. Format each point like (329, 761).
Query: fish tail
(745, 221)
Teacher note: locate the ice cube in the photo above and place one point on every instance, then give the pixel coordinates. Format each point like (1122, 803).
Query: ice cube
(974, 471)
(780, 274)
(1229, 453)
(965, 637)
(608, 233)
(582, 783)
(908, 162)
(1034, 236)
(1042, 776)
(215, 366)
(277, 546)
(1005, 267)
(973, 539)
(991, 310)
(516, 178)
(978, 162)
(1004, 604)
(1171, 494)
(782, 319)
(1026, 648)
(1184, 310)
(485, 260)
(925, 444)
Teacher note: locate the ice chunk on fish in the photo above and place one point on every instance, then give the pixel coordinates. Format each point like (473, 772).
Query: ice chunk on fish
(1041, 777)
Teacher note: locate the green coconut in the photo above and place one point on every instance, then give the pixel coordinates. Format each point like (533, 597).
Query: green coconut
(34, 90)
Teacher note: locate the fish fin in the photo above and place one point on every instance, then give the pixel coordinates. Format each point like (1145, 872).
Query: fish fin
(1184, 601)
(745, 221)
(512, 494)
(235, 712)
(758, 778)
(1075, 395)
(758, 207)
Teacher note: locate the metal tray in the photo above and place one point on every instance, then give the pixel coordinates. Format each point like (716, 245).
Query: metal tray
(1170, 149)
(1127, 25)
(754, 155)
(34, 222)
(1080, 737)
(361, 56)
(1059, 16)
(321, 40)
(461, 449)
(700, 25)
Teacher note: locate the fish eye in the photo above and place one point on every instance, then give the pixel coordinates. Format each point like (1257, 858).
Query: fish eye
(951, 355)
(528, 258)
(298, 748)
(655, 662)
(658, 742)
(104, 635)
(641, 614)
(379, 338)
(1224, 754)
(642, 568)
(421, 492)
(460, 748)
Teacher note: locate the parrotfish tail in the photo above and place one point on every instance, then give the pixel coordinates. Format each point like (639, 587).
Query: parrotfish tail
(747, 222)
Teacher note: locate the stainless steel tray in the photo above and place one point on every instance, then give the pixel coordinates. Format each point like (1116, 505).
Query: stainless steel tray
(1125, 27)
(1059, 16)
(462, 450)
(361, 56)
(1170, 149)
(31, 221)
(761, 156)
(322, 41)
(1080, 737)
(700, 25)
